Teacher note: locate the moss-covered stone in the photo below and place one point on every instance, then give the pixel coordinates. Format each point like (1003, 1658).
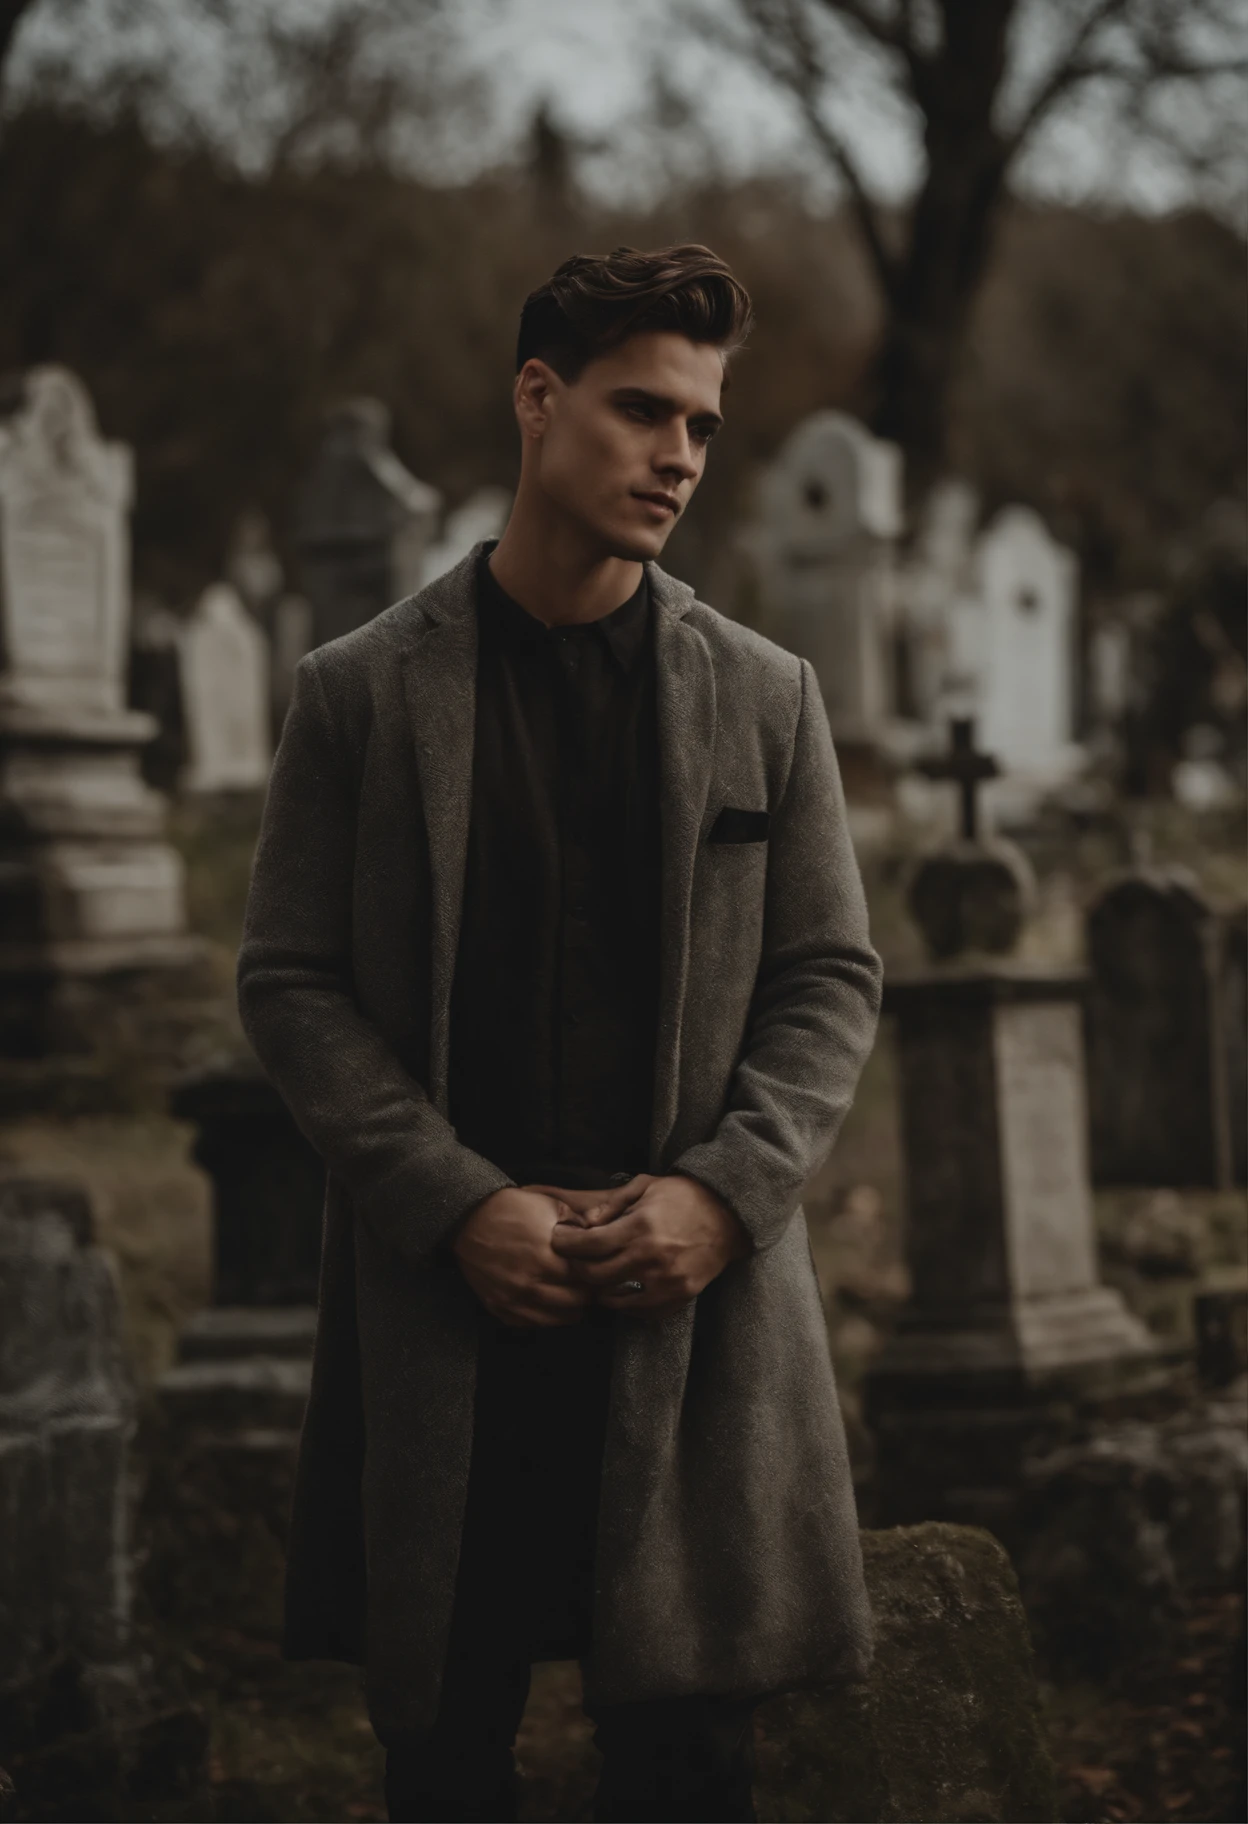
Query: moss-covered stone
(946, 1727)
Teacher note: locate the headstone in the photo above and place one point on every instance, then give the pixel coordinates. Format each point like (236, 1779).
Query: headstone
(64, 500)
(1163, 1043)
(87, 884)
(65, 1423)
(946, 1724)
(483, 515)
(1008, 1324)
(829, 515)
(234, 1402)
(1027, 586)
(88, 1729)
(363, 523)
(225, 695)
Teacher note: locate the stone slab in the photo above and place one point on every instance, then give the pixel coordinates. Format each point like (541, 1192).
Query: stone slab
(224, 1333)
(946, 1726)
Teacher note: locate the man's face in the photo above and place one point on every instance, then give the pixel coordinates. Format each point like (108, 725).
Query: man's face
(621, 449)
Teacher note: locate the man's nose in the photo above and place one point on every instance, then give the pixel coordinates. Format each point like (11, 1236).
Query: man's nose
(676, 458)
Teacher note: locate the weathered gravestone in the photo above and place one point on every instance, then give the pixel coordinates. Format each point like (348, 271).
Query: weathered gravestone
(1027, 586)
(829, 515)
(88, 887)
(233, 1404)
(224, 660)
(363, 523)
(1009, 1328)
(1165, 1046)
(80, 1732)
(947, 1724)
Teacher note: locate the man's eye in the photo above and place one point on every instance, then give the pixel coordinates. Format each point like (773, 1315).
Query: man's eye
(643, 413)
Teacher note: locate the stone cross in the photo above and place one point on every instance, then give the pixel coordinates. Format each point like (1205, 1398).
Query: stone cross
(967, 768)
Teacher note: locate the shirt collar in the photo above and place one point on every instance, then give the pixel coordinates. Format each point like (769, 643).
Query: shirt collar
(623, 631)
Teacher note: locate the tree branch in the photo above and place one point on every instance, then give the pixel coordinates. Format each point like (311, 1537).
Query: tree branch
(1160, 60)
(10, 13)
(785, 50)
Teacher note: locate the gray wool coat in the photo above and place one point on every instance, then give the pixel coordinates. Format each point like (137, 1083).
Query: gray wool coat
(728, 1557)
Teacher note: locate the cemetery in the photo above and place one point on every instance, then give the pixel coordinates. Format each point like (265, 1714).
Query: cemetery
(1036, 1304)
(1031, 1238)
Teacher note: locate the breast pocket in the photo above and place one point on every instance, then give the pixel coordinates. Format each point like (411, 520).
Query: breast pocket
(740, 826)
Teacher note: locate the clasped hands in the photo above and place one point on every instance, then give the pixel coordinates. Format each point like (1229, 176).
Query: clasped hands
(539, 1256)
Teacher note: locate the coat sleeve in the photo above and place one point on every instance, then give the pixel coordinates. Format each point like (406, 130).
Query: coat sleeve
(816, 999)
(370, 1120)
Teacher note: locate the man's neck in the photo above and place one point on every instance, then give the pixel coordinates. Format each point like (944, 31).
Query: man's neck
(556, 572)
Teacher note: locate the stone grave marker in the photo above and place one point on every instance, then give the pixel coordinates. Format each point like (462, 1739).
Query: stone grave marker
(1164, 1051)
(87, 884)
(224, 660)
(829, 515)
(363, 523)
(88, 1730)
(1008, 1323)
(483, 515)
(1027, 586)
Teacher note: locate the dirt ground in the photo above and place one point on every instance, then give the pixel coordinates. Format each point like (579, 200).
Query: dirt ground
(293, 1742)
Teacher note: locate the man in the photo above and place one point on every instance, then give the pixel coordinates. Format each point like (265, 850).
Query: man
(557, 950)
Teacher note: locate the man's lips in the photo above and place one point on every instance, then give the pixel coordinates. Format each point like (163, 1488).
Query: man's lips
(668, 503)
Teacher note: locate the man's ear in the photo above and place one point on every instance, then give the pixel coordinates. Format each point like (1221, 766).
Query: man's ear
(536, 386)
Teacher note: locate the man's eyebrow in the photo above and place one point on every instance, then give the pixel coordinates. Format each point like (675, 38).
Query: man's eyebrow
(662, 402)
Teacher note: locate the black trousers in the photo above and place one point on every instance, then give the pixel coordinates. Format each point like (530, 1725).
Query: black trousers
(524, 1592)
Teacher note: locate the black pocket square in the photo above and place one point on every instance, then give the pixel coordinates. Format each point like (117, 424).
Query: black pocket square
(740, 826)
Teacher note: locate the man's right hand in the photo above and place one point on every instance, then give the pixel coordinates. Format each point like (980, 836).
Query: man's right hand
(504, 1252)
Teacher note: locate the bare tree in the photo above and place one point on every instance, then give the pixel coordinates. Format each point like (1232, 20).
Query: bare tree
(10, 14)
(979, 80)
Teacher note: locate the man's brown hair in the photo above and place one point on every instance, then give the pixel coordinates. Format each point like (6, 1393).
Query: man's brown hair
(593, 302)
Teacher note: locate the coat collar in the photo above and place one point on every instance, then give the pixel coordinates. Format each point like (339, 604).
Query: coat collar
(440, 683)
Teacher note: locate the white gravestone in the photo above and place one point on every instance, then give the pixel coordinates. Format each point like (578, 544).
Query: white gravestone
(482, 515)
(1027, 585)
(824, 547)
(64, 500)
(86, 881)
(225, 695)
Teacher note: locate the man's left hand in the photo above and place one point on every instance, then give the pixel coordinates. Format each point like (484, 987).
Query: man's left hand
(670, 1234)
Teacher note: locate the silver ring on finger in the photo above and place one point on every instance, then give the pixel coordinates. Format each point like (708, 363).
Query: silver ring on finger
(632, 1285)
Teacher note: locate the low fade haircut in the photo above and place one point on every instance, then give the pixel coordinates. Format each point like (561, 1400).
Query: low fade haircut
(595, 301)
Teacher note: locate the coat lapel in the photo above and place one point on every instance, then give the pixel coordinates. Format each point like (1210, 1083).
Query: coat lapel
(440, 679)
(440, 683)
(686, 718)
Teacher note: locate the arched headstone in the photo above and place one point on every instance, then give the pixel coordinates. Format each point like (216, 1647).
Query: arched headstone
(829, 518)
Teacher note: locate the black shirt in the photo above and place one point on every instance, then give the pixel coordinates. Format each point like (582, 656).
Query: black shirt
(554, 1007)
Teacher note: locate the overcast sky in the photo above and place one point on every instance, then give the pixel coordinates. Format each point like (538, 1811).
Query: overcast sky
(595, 63)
